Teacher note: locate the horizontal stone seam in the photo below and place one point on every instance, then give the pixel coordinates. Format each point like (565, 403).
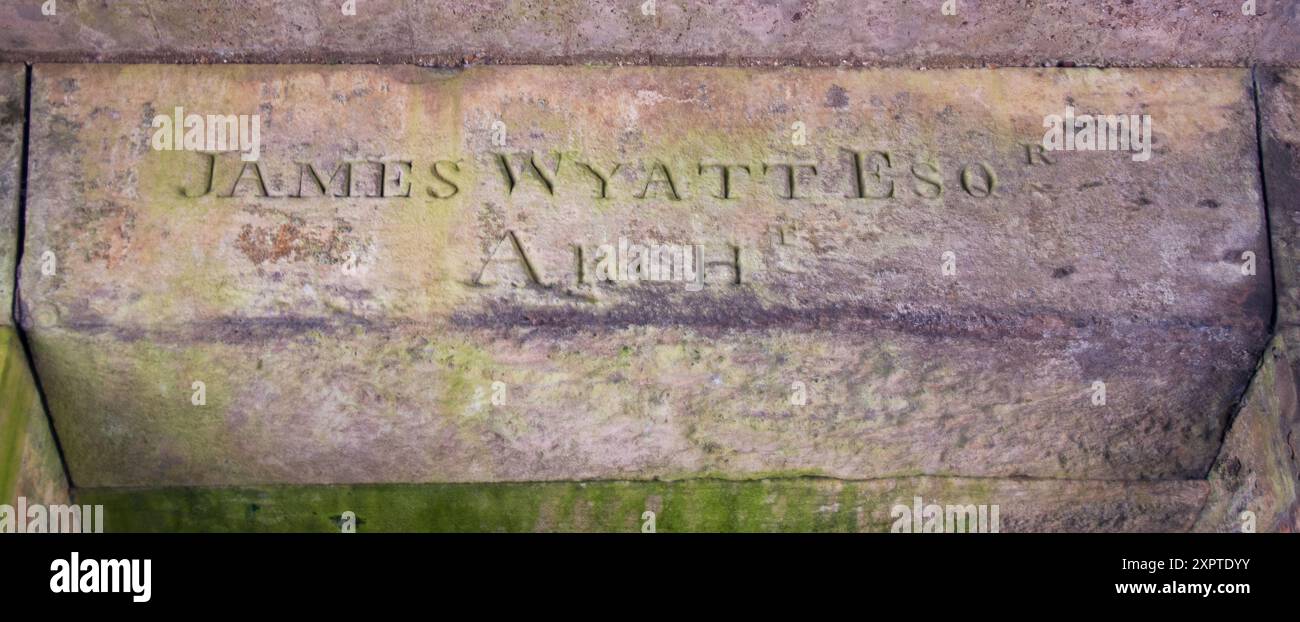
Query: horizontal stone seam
(452, 61)
(549, 321)
(693, 481)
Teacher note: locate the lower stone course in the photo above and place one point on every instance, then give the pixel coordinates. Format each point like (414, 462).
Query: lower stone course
(788, 505)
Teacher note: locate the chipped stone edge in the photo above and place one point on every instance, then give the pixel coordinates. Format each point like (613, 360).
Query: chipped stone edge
(1254, 481)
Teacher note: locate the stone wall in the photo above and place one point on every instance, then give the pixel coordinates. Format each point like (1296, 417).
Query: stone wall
(438, 294)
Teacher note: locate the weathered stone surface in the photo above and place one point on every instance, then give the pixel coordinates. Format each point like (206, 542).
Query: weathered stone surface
(791, 505)
(1258, 471)
(13, 102)
(29, 461)
(354, 339)
(1005, 32)
(1279, 109)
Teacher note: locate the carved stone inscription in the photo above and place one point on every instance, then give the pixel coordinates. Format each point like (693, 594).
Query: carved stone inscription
(541, 273)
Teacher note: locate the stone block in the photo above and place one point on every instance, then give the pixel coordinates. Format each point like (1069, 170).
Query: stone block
(428, 276)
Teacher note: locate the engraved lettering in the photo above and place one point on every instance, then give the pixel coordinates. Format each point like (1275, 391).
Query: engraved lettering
(791, 175)
(257, 177)
(724, 182)
(452, 188)
(666, 181)
(322, 187)
(876, 175)
(1035, 152)
(602, 179)
(511, 244)
(531, 167)
(981, 185)
(929, 183)
(403, 179)
(211, 168)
